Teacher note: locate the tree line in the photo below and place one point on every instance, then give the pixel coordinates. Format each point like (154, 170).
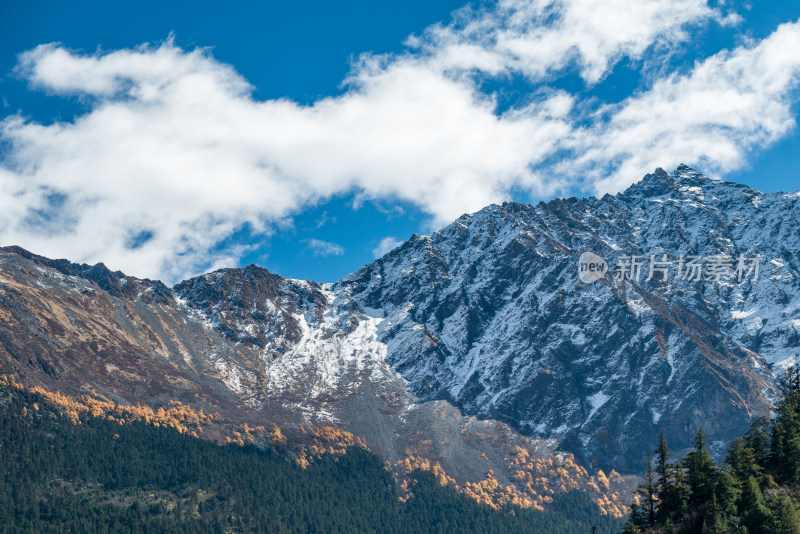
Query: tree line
(87, 474)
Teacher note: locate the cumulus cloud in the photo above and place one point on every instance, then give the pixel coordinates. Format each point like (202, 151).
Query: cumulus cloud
(727, 105)
(174, 155)
(541, 37)
(182, 154)
(386, 244)
(325, 248)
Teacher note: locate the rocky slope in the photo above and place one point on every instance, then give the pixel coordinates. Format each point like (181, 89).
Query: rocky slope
(261, 349)
(487, 314)
(490, 314)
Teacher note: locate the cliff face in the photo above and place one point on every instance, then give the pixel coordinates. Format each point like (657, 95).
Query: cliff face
(487, 314)
(490, 314)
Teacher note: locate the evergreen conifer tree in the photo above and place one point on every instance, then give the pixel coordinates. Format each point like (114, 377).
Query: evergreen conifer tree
(647, 492)
(715, 522)
(726, 495)
(787, 520)
(667, 498)
(784, 458)
(681, 496)
(700, 473)
(757, 439)
(756, 516)
(785, 436)
(742, 461)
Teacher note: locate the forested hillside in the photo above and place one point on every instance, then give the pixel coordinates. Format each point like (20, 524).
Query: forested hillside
(59, 473)
(756, 492)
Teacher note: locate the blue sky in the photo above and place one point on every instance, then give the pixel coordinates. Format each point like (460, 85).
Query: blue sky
(166, 139)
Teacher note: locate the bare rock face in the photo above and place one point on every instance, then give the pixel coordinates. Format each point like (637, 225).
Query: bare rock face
(487, 317)
(490, 314)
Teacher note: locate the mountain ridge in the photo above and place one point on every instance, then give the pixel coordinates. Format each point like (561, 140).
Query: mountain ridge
(64, 333)
(487, 314)
(556, 230)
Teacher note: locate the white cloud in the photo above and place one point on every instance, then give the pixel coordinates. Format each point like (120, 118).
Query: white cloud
(185, 153)
(324, 248)
(174, 154)
(387, 244)
(142, 73)
(541, 37)
(715, 115)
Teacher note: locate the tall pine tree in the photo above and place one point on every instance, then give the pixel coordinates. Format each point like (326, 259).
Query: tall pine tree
(700, 473)
(742, 461)
(756, 516)
(787, 519)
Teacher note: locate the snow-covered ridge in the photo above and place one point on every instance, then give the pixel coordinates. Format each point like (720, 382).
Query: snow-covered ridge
(488, 312)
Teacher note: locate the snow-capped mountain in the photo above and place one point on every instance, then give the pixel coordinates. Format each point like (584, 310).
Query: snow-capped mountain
(487, 314)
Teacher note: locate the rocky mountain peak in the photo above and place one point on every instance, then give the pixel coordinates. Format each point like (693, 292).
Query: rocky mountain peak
(115, 283)
(252, 305)
(682, 182)
(688, 184)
